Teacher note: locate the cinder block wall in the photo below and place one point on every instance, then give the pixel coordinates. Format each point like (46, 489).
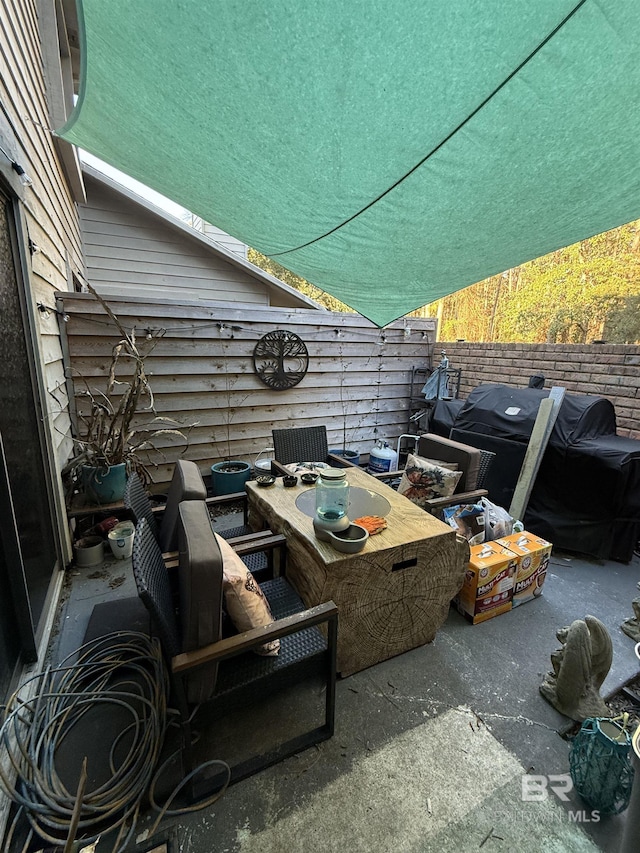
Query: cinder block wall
(608, 370)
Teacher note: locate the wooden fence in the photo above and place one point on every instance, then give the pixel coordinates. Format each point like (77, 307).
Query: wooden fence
(201, 371)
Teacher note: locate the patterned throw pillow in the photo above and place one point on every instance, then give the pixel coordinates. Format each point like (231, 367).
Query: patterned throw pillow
(424, 479)
(245, 602)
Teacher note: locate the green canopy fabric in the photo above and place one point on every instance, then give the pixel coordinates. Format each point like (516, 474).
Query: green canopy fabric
(389, 152)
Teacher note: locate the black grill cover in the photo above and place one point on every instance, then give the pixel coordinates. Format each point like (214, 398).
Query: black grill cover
(443, 416)
(586, 497)
(506, 412)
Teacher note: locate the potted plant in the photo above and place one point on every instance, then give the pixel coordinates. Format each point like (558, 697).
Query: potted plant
(230, 475)
(111, 443)
(345, 451)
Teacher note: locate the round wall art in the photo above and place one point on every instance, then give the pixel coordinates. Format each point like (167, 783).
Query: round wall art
(280, 359)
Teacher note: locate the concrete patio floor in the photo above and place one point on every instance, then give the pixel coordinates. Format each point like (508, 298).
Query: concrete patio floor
(430, 747)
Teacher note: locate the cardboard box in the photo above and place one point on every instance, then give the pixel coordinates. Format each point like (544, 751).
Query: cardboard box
(488, 584)
(533, 555)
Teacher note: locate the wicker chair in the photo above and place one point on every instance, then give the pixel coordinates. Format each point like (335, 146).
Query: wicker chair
(473, 463)
(303, 444)
(186, 484)
(225, 673)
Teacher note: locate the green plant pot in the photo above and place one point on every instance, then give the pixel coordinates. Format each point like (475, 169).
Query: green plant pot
(104, 486)
(229, 477)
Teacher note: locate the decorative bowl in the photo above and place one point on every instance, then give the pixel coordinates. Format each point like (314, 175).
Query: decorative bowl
(265, 480)
(309, 478)
(289, 481)
(349, 541)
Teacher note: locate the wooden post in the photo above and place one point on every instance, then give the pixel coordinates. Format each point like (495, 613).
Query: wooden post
(542, 428)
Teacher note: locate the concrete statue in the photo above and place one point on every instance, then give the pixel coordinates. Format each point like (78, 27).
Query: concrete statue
(631, 626)
(579, 669)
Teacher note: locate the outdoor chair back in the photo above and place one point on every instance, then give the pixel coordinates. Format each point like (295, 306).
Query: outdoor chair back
(302, 444)
(473, 463)
(186, 485)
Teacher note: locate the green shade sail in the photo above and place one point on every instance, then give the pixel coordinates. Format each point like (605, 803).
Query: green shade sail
(389, 152)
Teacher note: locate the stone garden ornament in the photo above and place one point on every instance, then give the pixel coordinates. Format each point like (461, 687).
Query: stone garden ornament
(631, 626)
(579, 669)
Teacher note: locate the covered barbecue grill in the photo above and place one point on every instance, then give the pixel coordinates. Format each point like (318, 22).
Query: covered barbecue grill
(586, 497)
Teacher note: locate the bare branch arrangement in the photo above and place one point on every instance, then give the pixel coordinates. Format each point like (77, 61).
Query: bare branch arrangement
(109, 435)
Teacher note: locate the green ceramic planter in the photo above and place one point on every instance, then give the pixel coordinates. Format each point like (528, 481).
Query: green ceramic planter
(104, 485)
(229, 477)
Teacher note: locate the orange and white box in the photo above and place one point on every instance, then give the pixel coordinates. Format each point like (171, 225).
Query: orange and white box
(533, 554)
(487, 590)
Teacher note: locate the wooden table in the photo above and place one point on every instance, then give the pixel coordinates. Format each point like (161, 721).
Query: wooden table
(393, 595)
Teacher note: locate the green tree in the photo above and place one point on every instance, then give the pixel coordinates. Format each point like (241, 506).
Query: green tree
(587, 291)
(296, 281)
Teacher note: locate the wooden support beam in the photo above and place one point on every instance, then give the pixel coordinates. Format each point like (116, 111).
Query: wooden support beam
(542, 429)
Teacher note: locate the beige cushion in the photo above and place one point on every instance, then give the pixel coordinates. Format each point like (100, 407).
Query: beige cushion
(245, 602)
(422, 480)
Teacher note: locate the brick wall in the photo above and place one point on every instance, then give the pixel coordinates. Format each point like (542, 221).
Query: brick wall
(607, 370)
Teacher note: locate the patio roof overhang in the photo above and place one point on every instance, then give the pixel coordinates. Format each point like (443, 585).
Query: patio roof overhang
(390, 153)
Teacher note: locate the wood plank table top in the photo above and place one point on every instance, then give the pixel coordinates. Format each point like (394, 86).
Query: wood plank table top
(391, 596)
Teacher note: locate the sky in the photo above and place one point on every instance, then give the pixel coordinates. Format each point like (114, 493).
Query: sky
(146, 192)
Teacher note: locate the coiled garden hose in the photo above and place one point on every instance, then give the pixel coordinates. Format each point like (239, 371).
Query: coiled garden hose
(123, 671)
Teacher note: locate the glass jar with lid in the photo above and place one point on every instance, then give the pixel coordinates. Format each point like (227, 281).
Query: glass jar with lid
(332, 497)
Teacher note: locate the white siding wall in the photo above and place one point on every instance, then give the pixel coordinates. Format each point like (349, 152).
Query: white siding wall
(48, 206)
(129, 250)
(226, 240)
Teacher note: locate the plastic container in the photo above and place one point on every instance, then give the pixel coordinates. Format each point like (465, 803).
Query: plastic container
(382, 458)
(121, 539)
(263, 466)
(89, 551)
(332, 496)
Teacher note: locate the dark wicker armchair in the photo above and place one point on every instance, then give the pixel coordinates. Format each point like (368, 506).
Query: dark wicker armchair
(187, 484)
(224, 673)
(303, 444)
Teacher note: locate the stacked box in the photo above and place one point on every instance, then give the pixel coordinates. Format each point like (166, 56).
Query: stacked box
(533, 555)
(488, 584)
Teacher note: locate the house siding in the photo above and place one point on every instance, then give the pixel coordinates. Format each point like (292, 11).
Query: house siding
(47, 207)
(129, 250)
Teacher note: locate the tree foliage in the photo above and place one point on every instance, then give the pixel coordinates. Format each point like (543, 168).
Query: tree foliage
(584, 292)
(296, 281)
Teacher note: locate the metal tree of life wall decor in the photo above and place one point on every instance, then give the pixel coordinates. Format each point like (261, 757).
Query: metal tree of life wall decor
(280, 359)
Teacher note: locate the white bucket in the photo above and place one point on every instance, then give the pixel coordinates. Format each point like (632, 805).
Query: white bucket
(263, 466)
(89, 551)
(121, 539)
